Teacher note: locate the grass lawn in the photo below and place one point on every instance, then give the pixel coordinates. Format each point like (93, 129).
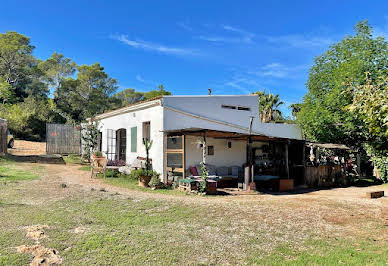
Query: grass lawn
(9, 172)
(132, 184)
(92, 227)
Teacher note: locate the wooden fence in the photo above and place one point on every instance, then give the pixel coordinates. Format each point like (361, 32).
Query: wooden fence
(3, 136)
(62, 139)
(322, 175)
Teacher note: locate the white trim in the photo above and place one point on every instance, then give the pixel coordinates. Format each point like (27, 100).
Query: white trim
(210, 120)
(128, 109)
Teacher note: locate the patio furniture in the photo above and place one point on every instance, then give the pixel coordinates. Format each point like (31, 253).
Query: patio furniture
(211, 187)
(99, 166)
(188, 184)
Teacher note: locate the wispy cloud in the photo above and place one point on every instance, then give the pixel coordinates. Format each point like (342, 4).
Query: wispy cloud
(145, 81)
(300, 41)
(148, 46)
(245, 84)
(185, 26)
(381, 30)
(278, 70)
(238, 36)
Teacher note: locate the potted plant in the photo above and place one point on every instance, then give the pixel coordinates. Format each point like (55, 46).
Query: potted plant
(146, 174)
(97, 154)
(144, 177)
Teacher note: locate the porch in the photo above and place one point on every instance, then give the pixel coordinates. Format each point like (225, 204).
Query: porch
(235, 160)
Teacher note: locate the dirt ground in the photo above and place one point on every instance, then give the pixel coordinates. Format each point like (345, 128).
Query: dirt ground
(346, 205)
(23, 147)
(281, 218)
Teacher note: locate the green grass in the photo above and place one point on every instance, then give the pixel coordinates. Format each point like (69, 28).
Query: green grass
(327, 252)
(10, 173)
(85, 168)
(126, 182)
(122, 230)
(72, 159)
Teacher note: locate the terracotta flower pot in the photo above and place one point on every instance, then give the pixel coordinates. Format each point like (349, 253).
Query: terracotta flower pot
(144, 180)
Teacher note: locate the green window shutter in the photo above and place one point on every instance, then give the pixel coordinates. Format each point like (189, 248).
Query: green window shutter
(133, 139)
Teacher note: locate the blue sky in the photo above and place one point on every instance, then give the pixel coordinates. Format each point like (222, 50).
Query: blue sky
(233, 47)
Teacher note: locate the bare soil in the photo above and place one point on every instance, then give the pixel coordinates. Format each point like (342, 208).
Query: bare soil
(23, 147)
(339, 212)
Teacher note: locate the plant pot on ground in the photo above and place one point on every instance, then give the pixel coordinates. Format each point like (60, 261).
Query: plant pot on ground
(144, 176)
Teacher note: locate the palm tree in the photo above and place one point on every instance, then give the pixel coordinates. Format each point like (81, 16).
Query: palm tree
(269, 106)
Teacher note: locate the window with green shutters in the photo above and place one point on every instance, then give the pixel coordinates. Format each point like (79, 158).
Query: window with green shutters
(134, 139)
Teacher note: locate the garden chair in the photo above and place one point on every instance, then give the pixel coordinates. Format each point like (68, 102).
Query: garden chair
(99, 166)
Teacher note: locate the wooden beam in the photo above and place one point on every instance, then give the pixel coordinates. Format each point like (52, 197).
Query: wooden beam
(184, 155)
(204, 148)
(287, 167)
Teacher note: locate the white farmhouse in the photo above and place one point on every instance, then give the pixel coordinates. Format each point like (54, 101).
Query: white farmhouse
(179, 125)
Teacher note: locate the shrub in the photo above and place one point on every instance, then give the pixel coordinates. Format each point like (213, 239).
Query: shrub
(142, 172)
(155, 180)
(97, 154)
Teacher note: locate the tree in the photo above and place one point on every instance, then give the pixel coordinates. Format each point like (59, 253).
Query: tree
(87, 95)
(56, 69)
(156, 93)
(323, 116)
(295, 109)
(6, 92)
(15, 55)
(126, 97)
(370, 104)
(269, 106)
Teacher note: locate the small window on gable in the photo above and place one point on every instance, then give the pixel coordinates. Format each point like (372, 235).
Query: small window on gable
(228, 106)
(147, 130)
(243, 108)
(210, 150)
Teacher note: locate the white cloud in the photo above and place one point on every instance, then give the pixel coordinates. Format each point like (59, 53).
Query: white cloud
(146, 81)
(139, 44)
(277, 70)
(238, 36)
(244, 84)
(185, 26)
(382, 30)
(301, 41)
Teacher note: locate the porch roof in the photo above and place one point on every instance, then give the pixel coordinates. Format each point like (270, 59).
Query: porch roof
(219, 134)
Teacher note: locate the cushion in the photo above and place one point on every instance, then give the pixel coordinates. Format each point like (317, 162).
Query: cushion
(193, 171)
(211, 169)
(235, 170)
(198, 169)
(222, 171)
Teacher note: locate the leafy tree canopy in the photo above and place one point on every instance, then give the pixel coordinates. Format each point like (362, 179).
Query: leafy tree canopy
(126, 97)
(155, 93)
(87, 95)
(323, 116)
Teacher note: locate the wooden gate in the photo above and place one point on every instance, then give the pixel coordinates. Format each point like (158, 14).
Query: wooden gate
(3, 136)
(62, 139)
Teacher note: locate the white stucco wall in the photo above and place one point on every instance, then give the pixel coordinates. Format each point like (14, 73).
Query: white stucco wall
(136, 118)
(209, 107)
(223, 156)
(185, 112)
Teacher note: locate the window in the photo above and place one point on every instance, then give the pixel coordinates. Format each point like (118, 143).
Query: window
(233, 107)
(228, 106)
(243, 108)
(134, 139)
(121, 144)
(210, 150)
(147, 130)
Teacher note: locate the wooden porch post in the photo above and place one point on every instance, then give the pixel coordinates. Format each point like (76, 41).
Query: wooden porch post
(287, 167)
(204, 148)
(165, 172)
